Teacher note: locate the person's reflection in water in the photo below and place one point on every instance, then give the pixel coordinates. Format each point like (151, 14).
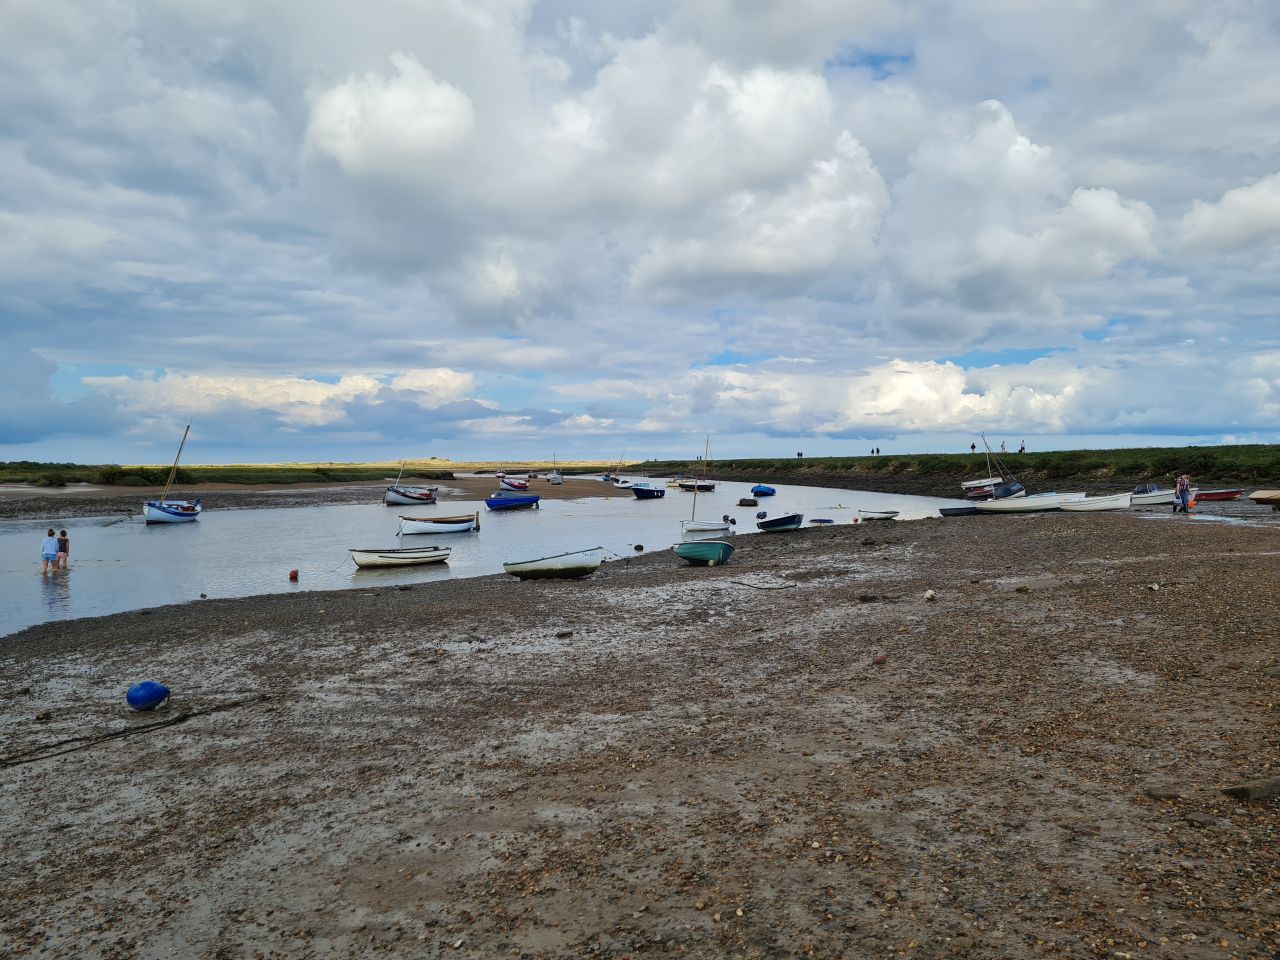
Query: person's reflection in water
(57, 591)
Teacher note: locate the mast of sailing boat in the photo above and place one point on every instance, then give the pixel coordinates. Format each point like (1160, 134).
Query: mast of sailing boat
(706, 451)
(174, 469)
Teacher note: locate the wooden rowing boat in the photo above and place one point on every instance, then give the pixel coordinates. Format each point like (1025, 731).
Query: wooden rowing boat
(399, 557)
(461, 524)
(561, 566)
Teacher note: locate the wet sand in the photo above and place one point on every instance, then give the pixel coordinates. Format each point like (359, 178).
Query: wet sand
(795, 754)
(39, 503)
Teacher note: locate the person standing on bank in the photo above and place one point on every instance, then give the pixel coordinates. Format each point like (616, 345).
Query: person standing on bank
(64, 548)
(49, 553)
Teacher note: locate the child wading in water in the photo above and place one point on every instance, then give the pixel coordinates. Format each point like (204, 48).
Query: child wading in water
(49, 553)
(64, 548)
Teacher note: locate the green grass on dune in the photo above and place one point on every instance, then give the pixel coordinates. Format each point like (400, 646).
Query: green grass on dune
(1242, 464)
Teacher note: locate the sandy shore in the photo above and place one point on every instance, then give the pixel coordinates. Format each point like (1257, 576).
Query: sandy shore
(39, 503)
(796, 754)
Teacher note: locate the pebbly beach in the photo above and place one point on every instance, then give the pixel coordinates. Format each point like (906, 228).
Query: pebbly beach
(997, 737)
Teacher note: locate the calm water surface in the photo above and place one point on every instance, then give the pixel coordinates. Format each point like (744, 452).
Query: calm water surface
(237, 553)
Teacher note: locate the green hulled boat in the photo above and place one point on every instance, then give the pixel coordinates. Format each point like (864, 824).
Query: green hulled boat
(704, 553)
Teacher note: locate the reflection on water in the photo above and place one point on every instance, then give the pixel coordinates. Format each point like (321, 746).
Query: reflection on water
(232, 553)
(56, 593)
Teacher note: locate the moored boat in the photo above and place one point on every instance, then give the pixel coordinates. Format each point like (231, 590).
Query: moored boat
(702, 526)
(171, 511)
(1115, 501)
(748, 502)
(787, 521)
(696, 486)
(398, 496)
(1203, 495)
(966, 511)
(704, 553)
(762, 490)
(1034, 503)
(165, 510)
(877, 514)
(645, 491)
(1148, 495)
(503, 500)
(461, 524)
(561, 566)
(1269, 498)
(512, 483)
(399, 556)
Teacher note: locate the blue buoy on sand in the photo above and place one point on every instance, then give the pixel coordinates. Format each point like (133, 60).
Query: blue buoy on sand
(147, 695)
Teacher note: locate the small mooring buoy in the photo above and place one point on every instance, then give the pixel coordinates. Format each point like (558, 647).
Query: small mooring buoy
(146, 695)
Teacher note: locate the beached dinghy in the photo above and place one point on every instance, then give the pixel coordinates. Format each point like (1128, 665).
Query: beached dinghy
(788, 521)
(397, 496)
(877, 514)
(1149, 495)
(1117, 501)
(1035, 503)
(1203, 495)
(1268, 498)
(511, 501)
(165, 510)
(511, 483)
(704, 553)
(967, 511)
(413, 525)
(703, 526)
(399, 557)
(562, 566)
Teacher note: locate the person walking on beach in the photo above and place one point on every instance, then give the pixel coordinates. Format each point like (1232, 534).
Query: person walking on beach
(973, 448)
(48, 553)
(1022, 447)
(1182, 494)
(64, 548)
(1002, 449)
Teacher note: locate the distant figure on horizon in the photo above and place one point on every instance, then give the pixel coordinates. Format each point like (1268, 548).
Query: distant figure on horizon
(48, 552)
(877, 451)
(1022, 447)
(973, 448)
(1002, 449)
(64, 548)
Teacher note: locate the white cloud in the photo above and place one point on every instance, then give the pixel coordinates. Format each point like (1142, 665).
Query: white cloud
(1244, 216)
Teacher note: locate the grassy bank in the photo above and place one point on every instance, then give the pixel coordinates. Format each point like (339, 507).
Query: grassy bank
(939, 473)
(147, 475)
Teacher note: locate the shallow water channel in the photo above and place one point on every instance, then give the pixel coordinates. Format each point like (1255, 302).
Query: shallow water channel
(236, 553)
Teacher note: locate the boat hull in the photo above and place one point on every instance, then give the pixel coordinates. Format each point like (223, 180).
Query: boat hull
(877, 514)
(512, 502)
(408, 496)
(564, 566)
(1119, 501)
(518, 485)
(649, 493)
(171, 511)
(402, 557)
(1036, 503)
(968, 511)
(704, 526)
(704, 553)
(702, 486)
(761, 490)
(1219, 495)
(416, 525)
(1269, 498)
(790, 521)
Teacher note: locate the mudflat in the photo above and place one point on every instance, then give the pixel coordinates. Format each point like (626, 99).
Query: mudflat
(39, 503)
(801, 753)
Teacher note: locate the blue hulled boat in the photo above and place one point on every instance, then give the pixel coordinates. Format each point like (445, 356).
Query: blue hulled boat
(788, 521)
(644, 491)
(760, 490)
(501, 500)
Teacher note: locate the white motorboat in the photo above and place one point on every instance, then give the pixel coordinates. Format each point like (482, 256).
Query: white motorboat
(877, 514)
(414, 525)
(1117, 501)
(399, 557)
(562, 566)
(397, 496)
(1149, 495)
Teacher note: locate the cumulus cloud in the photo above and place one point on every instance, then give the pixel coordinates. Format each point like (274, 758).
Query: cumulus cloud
(320, 221)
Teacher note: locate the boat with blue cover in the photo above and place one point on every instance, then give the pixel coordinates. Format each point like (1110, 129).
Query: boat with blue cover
(704, 553)
(761, 490)
(502, 500)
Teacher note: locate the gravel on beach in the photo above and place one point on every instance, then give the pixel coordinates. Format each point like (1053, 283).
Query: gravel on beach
(800, 753)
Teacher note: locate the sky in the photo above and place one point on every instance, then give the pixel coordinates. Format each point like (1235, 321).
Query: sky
(502, 229)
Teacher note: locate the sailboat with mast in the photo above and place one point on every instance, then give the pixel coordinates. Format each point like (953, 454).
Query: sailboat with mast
(165, 510)
(554, 477)
(398, 495)
(693, 524)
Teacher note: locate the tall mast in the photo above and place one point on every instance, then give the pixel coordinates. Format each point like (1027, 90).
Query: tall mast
(174, 468)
